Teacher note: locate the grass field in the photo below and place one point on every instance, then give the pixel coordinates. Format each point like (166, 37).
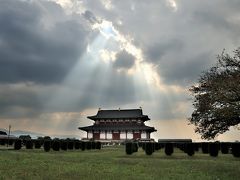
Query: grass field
(113, 163)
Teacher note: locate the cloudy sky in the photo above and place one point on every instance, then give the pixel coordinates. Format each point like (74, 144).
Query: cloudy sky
(60, 60)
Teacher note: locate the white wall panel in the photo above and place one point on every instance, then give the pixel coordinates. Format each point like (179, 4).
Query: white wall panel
(123, 135)
(90, 135)
(144, 135)
(102, 135)
(109, 135)
(129, 135)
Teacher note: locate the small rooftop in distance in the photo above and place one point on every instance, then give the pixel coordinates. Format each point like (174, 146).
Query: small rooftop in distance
(3, 133)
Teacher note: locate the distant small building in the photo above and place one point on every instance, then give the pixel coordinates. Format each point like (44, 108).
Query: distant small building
(118, 125)
(174, 140)
(4, 135)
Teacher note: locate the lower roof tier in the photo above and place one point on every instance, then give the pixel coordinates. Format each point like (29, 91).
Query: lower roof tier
(118, 128)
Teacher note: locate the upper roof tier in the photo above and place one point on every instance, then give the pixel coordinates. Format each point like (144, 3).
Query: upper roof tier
(120, 114)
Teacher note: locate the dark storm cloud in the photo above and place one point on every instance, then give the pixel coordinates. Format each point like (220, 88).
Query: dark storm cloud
(185, 72)
(223, 19)
(90, 17)
(24, 99)
(99, 87)
(37, 46)
(177, 42)
(124, 60)
(174, 64)
(39, 43)
(157, 50)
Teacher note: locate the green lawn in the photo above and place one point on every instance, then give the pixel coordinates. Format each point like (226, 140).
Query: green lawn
(113, 163)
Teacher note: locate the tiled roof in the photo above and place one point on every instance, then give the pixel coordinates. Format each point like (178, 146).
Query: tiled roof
(110, 127)
(121, 113)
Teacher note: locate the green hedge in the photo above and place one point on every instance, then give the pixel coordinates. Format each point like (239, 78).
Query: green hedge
(204, 147)
(149, 149)
(129, 148)
(135, 147)
(196, 146)
(63, 145)
(168, 149)
(29, 144)
(70, 144)
(190, 149)
(83, 145)
(236, 149)
(56, 145)
(77, 144)
(88, 145)
(47, 145)
(98, 145)
(37, 144)
(213, 149)
(18, 144)
(225, 147)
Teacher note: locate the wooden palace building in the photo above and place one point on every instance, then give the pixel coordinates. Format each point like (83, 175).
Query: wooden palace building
(118, 125)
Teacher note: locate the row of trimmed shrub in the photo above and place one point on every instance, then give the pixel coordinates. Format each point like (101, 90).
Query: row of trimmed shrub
(6, 141)
(57, 145)
(149, 148)
(211, 148)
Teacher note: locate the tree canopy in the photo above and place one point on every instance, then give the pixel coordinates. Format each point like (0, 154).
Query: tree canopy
(217, 97)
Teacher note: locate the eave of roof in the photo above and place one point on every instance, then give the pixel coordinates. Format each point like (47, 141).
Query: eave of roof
(143, 117)
(117, 128)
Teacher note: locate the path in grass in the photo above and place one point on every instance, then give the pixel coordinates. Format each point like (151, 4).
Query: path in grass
(113, 163)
